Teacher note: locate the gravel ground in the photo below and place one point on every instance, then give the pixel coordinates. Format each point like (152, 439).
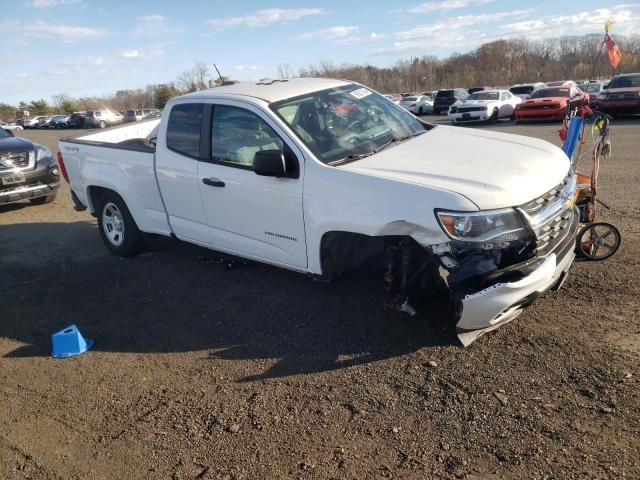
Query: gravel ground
(200, 372)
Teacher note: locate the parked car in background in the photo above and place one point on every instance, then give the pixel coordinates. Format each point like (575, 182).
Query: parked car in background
(152, 114)
(594, 88)
(430, 95)
(419, 104)
(102, 118)
(622, 95)
(136, 115)
(484, 105)
(28, 171)
(524, 90)
(549, 104)
(33, 122)
(58, 121)
(562, 83)
(11, 126)
(445, 98)
(76, 120)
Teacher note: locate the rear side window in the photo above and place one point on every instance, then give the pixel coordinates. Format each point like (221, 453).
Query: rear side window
(183, 129)
(444, 93)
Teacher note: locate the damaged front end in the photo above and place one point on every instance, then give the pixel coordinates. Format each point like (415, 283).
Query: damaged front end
(496, 262)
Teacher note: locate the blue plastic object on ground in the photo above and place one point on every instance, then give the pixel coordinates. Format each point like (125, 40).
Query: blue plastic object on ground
(573, 136)
(69, 343)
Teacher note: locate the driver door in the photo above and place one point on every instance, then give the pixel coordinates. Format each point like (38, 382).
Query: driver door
(248, 214)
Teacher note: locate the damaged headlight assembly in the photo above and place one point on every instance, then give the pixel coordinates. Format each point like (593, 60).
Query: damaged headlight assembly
(489, 227)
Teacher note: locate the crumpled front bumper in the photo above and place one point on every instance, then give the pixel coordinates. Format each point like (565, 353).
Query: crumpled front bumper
(492, 307)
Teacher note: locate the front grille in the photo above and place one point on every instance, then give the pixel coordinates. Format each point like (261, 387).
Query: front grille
(550, 227)
(11, 160)
(467, 109)
(622, 96)
(547, 106)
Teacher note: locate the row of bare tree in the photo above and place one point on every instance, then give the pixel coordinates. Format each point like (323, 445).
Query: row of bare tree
(498, 63)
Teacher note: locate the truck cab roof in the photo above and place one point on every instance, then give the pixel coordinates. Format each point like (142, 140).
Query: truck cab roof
(270, 90)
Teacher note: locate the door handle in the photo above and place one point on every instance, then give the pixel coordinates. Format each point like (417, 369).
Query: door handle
(213, 182)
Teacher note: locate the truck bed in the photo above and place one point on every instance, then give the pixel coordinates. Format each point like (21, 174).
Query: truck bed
(121, 160)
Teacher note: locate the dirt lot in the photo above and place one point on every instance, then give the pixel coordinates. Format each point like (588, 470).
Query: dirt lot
(259, 373)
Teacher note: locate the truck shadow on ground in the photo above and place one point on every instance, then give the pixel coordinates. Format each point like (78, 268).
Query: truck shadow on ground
(177, 298)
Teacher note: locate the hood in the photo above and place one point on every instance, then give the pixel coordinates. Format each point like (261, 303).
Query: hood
(15, 144)
(543, 100)
(493, 170)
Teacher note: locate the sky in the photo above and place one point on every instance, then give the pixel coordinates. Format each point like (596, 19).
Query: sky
(96, 47)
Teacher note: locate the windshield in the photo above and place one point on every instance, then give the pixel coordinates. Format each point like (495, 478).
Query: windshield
(551, 92)
(4, 134)
(521, 90)
(485, 96)
(347, 121)
(593, 88)
(632, 81)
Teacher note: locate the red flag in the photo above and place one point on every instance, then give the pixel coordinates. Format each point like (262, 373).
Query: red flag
(614, 52)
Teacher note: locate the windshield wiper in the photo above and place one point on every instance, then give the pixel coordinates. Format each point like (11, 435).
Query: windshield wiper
(357, 156)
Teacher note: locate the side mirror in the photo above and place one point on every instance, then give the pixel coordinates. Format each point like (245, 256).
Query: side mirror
(269, 163)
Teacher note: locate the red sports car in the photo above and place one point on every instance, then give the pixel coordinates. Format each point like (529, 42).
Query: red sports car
(549, 104)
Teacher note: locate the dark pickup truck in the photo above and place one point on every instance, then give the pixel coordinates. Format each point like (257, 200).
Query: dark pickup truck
(28, 171)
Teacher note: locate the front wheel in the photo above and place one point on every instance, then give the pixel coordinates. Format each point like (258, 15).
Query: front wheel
(117, 228)
(102, 124)
(436, 112)
(420, 111)
(494, 116)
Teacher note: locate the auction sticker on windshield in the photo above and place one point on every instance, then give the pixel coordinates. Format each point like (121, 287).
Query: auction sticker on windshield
(361, 93)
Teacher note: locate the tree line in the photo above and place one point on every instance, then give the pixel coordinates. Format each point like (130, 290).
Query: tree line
(497, 63)
(500, 63)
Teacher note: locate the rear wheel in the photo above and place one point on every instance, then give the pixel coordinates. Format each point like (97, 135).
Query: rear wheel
(42, 200)
(117, 228)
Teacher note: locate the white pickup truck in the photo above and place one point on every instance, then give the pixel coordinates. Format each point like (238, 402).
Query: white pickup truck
(319, 176)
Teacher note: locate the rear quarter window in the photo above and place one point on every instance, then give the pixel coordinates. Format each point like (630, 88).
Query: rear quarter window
(183, 129)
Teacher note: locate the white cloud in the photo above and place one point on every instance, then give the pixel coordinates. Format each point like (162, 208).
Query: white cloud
(66, 33)
(51, 3)
(459, 31)
(151, 18)
(133, 53)
(377, 36)
(428, 7)
(330, 33)
(269, 16)
(625, 21)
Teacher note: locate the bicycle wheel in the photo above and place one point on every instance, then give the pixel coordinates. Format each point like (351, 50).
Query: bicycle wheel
(598, 241)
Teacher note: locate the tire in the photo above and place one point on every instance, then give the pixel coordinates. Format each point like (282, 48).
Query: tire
(102, 124)
(43, 200)
(118, 230)
(436, 112)
(495, 115)
(513, 116)
(420, 111)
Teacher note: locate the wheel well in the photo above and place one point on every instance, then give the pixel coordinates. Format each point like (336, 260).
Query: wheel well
(342, 251)
(95, 194)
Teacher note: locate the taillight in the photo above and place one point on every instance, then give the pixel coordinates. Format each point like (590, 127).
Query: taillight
(62, 167)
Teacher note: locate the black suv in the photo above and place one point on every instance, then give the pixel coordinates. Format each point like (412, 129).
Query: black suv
(445, 98)
(27, 171)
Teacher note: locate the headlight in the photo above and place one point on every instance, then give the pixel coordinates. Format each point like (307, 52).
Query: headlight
(42, 152)
(492, 225)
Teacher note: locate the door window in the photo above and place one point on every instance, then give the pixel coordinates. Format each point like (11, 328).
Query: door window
(183, 129)
(238, 134)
